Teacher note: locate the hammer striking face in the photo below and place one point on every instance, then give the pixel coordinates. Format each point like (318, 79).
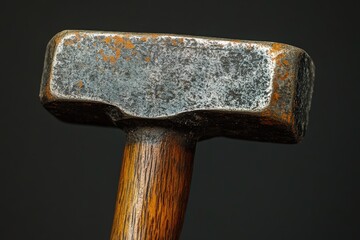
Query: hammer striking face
(215, 87)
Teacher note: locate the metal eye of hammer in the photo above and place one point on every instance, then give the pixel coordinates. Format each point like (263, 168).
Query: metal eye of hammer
(167, 92)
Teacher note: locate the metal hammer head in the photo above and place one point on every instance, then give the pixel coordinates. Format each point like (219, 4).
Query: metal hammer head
(213, 87)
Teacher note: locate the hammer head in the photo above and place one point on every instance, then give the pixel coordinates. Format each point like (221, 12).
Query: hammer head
(213, 87)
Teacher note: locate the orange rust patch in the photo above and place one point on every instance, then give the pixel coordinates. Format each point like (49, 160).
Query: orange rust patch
(276, 96)
(117, 53)
(77, 36)
(285, 76)
(269, 117)
(285, 62)
(278, 112)
(266, 117)
(123, 42)
(117, 43)
(80, 84)
(47, 91)
(107, 40)
(104, 57)
(112, 59)
(69, 42)
(129, 45)
(287, 117)
(57, 39)
(279, 57)
(276, 47)
(118, 40)
(73, 40)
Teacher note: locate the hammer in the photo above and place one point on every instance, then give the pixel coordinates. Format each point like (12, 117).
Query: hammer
(167, 92)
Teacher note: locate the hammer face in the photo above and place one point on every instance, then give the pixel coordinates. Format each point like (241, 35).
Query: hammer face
(213, 85)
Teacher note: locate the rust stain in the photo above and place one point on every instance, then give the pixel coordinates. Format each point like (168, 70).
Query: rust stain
(266, 117)
(47, 91)
(287, 117)
(280, 110)
(57, 39)
(174, 42)
(285, 76)
(69, 42)
(103, 55)
(112, 59)
(80, 84)
(276, 96)
(279, 58)
(269, 117)
(128, 58)
(129, 45)
(143, 39)
(118, 40)
(77, 37)
(147, 59)
(275, 47)
(123, 42)
(107, 40)
(117, 53)
(73, 40)
(285, 62)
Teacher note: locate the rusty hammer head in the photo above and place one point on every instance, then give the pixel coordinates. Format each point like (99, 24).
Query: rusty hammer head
(213, 87)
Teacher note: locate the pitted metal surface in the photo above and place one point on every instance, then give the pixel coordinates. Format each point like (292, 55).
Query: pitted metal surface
(164, 75)
(160, 76)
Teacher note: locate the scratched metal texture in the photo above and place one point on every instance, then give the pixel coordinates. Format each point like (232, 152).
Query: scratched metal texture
(253, 90)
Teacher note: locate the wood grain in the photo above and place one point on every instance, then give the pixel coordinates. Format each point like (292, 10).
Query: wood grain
(154, 185)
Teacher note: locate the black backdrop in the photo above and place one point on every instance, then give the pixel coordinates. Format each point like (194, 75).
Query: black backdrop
(59, 181)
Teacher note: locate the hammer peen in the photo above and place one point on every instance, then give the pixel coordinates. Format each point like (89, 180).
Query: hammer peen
(167, 92)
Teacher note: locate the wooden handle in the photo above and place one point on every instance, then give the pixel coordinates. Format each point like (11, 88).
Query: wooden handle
(154, 185)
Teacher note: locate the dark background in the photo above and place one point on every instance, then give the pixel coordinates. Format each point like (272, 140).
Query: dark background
(59, 181)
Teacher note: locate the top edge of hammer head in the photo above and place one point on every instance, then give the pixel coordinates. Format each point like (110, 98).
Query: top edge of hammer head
(212, 86)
